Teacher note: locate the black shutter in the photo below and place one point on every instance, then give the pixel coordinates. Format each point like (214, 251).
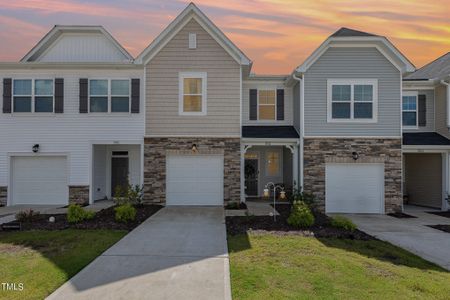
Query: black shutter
(59, 95)
(135, 96)
(253, 104)
(7, 85)
(83, 95)
(422, 110)
(280, 105)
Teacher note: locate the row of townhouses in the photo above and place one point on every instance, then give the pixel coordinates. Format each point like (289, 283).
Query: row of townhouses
(355, 123)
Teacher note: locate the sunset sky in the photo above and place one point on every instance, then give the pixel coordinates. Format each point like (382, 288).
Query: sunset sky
(276, 34)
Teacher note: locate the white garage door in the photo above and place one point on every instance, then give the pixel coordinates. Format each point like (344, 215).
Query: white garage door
(39, 180)
(354, 188)
(194, 180)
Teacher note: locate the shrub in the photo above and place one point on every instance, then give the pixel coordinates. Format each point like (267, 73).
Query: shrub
(301, 215)
(342, 222)
(129, 194)
(76, 214)
(27, 215)
(306, 198)
(125, 213)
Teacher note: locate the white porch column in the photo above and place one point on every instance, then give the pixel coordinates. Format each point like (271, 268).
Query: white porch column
(243, 172)
(295, 178)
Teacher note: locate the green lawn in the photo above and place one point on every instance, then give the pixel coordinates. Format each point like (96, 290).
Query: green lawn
(295, 267)
(44, 260)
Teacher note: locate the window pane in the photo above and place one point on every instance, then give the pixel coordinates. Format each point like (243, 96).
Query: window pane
(267, 97)
(409, 103)
(120, 104)
(120, 87)
(99, 104)
(22, 87)
(340, 93)
(363, 111)
(267, 112)
(192, 104)
(22, 104)
(98, 87)
(273, 163)
(363, 92)
(409, 119)
(341, 111)
(43, 87)
(43, 104)
(192, 85)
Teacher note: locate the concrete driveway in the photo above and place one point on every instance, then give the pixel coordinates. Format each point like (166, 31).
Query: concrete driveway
(410, 234)
(179, 253)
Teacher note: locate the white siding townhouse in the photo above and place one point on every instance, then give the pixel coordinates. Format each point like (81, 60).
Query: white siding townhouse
(189, 121)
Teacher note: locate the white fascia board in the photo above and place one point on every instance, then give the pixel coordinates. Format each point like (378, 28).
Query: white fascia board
(424, 148)
(64, 65)
(271, 141)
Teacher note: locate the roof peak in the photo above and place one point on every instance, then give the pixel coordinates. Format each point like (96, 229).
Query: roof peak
(346, 32)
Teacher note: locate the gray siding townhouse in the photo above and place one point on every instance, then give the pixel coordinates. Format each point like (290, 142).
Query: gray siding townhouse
(189, 121)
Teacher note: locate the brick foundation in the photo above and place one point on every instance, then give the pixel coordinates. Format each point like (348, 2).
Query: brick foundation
(3, 195)
(319, 151)
(78, 194)
(156, 149)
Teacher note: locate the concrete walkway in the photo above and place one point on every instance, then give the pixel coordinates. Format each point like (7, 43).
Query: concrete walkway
(179, 253)
(411, 234)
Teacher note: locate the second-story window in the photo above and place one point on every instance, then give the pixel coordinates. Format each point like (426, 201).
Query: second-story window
(266, 105)
(409, 109)
(192, 97)
(33, 96)
(43, 95)
(109, 95)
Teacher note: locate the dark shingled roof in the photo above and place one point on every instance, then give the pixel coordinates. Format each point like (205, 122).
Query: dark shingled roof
(437, 69)
(277, 132)
(345, 32)
(425, 138)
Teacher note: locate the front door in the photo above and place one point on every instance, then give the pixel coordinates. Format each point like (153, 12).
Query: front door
(119, 173)
(251, 176)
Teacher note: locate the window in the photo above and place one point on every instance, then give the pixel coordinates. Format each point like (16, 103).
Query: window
(409, 109)
(272, 163)
(33, 95)
(192, 99)
(192, 40)
(266, 104)
(109, 95)
(352, 100)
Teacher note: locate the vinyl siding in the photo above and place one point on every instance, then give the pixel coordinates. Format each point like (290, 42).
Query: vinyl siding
(82, 48)
(223, 87)
(296, 107)
(430, 112)
(69, 132)
(441, 110)
(269, 85)
(352, 63)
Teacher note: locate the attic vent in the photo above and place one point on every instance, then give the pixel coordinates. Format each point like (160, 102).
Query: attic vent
(192, 41)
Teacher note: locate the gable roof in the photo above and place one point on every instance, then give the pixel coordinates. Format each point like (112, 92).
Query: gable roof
(192, 12)
(344, 31)
(354, 38)
(58, 30)
(437, 69)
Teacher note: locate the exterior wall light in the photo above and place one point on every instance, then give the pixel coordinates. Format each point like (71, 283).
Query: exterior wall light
(35, 148)
(355, 155)
(194, 148)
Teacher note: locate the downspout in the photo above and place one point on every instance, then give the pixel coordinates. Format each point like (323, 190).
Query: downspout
(447, 201)
(448, 101)
(302, 126)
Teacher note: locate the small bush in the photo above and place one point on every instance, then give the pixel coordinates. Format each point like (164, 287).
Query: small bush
(129, 194)
(301, 215)
(125, 213)
(27, 215)
(342, 222)
(76, 214)
(306, 198)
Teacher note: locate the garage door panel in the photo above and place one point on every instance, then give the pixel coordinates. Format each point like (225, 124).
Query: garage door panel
(354, 188)
(194, 180)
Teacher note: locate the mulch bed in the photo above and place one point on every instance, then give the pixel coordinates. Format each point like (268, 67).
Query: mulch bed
(440, 213)
(445, 228)
(400, 215)
(266, 224)
(104, 219)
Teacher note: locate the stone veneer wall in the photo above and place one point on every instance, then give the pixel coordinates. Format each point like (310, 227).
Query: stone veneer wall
(318, 151)
(156, 149)
(78, 194)
(3, 195)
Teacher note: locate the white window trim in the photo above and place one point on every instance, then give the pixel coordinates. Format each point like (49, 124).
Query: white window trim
(109, 96)
(408, 94)
(33, 101)
(352, 83)
(280, 162)
(192, 40)
(181, 77)
(275, 104)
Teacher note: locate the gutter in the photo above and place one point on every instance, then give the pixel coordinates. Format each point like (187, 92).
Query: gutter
(302, 126)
